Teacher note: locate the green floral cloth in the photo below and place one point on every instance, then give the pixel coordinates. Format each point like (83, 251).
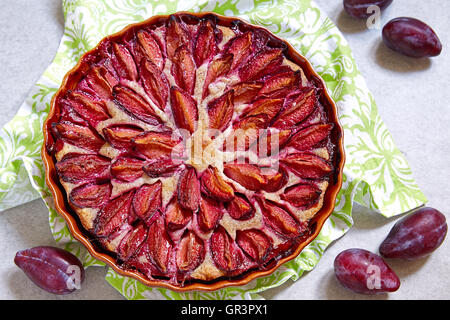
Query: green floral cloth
(376, 174)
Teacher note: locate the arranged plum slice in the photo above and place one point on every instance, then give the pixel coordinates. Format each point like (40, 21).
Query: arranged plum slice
(150, 48)
(154, 144)
(183, 69)
(206, 43)
(89, 109)
(225, 253)
(83, 167)
(307, 165)
(215, 187)
(124, 63)
(261, 64)
(177, 217)
(220, 111)
(159, 245)
(162, 167)
(135, 105)
(120, 136)
(191, 252)
(113, 215)
(301, 195)
(90, 195)
(155, 83)
(254, 243)
(240, 208)
(296, 110)
(147, 200)
(80, 136)
(131, 242)
(127, 169)
(209, 214)
(247, 175)
(188, 193)
(217, 68)
(310, 136)
(101, 82)
(280, 220)
(176, 35)
(128, 129)
(184, 109)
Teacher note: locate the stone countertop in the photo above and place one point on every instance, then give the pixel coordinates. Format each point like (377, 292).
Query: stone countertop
(413, 99)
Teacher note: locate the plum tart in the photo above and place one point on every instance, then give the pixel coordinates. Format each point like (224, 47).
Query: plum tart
(195, 148)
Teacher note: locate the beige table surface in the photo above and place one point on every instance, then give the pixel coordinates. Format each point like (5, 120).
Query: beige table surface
(413, 97)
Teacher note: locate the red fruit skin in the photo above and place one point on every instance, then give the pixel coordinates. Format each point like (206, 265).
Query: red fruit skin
(358, 8)
(411, 37)
(416, 235)
(364, 272)
(52, 269)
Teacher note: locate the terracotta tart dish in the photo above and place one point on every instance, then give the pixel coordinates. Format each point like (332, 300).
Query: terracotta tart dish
(193, 151)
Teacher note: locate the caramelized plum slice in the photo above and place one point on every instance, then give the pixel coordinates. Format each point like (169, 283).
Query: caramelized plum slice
(191, 252)
(188, 194)
(120, 136)
(209, 214)
(276, 179)
(101, 81)
(176, 35)
(83, 167)
(280, 220)
(309, 137)
(226, 256)
(155, 83)
(271, 142)
(246, 92)
(240, 47)
(215, 187)
(80, 136)
(183, 69)
(150, 48)
(217, 68)
(159, 246)
(307, 165)
(90, 195)
(90, 110)
(132, 242)
(255, 243)
(154, 144)
(301, 195)
(296, 110)
(184, 109)
(127, 169)
(220, 111)
(135, 105)
(113, 215)
(268, 107)
(247, 175)
(261, 64)
(176, 216)
(124, 62)
(280, 84)
(147, 200)
(163, 167)
(206, 44)
(240, 208)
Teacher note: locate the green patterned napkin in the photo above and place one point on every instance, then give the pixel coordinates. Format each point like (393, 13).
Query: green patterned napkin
(376, 174)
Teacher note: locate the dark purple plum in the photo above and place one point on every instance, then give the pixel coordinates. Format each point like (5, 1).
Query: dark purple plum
(416, 235)
(53, 269)
(411, 37)
(358, 8)
(364, 272)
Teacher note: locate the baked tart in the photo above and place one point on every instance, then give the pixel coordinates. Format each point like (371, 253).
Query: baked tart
(193, 149)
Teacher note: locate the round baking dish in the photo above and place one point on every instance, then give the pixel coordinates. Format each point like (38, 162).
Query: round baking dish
(78, 231)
